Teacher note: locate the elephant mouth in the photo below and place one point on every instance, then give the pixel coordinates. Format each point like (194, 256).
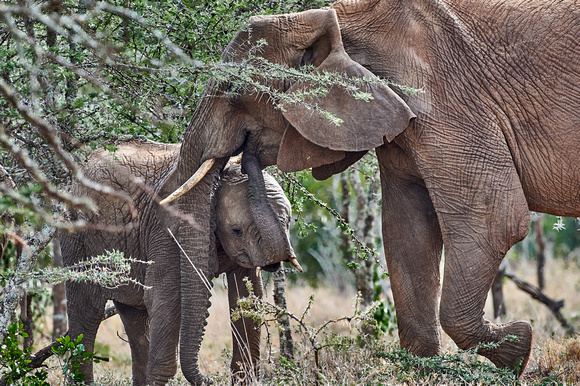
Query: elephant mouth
(276, 266)
(272, 267)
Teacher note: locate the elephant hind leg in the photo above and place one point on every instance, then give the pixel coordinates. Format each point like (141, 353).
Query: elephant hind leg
(511, 354)
(136, 326)
(469, 272)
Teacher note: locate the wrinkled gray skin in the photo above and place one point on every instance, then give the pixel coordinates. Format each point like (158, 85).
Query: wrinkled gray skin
(152, 316)
(494, 134)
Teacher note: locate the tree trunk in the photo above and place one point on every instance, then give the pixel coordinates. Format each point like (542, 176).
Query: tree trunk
(344, 213)
(367, 204)
(14, 290)
(26, 320)
(285, 333)
(59, 322)
(497, 293)
(540, 251)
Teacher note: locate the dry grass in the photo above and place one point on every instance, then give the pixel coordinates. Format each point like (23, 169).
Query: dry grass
(554, 358)
(558, 359)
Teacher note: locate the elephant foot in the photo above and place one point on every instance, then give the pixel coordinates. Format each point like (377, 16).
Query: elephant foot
(510, 354)
(200, 380)
(205, 381)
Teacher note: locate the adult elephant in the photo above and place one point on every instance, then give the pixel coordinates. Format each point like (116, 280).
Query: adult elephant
(247, 237)
(494, 134)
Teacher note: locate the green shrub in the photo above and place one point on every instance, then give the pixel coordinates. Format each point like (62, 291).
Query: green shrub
(15, 363)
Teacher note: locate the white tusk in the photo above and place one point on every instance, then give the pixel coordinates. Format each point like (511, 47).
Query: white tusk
(258, 271)
(295, 263)
(186, 187)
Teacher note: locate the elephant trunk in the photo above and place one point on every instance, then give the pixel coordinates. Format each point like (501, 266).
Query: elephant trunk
(198, 263)
(275, 245)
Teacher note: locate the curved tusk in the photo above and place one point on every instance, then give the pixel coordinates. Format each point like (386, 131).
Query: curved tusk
(295, 263)
(186, 187)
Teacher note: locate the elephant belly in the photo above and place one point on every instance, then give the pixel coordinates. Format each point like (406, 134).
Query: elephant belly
(551, 183)
(130, 295)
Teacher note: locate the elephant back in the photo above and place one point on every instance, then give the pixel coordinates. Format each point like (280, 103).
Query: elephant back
(134, 169)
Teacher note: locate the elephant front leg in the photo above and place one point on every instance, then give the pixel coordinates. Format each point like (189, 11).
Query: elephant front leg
(85, 307)
(245, 332)
(413, 246)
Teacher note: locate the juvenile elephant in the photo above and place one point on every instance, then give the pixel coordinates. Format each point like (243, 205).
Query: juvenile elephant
(152, 317)
(494, 134)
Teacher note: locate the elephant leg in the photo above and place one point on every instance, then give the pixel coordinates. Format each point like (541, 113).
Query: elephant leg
(413, 265)
(480, 221)
(85, 308)
(135, 322)
(245, 332)
(469, 273)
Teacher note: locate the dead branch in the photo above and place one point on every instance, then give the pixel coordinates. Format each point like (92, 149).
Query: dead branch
(536, 293)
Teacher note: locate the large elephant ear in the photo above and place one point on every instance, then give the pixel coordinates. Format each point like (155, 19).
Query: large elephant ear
(365, 124)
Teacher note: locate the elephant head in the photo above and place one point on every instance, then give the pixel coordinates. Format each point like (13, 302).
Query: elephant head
(294, 138)
(238, 219)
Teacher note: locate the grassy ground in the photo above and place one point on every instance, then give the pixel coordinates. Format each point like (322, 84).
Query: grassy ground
(555, 358)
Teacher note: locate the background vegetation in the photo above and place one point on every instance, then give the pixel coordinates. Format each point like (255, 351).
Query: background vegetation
(79, 74)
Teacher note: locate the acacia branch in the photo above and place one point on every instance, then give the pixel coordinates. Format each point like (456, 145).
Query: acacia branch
(49, 134)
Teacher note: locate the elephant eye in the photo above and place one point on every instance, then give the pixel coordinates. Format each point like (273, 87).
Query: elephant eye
(237, 232)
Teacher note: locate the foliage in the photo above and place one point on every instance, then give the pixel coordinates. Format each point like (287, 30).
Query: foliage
(384, 314)
(319, 338)
(323, 356)
(72, 355)
(463, 368)
(14, 362)
(109, 270)
(320, 225)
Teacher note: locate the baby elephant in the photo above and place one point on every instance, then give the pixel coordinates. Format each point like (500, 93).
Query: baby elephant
(152, 314)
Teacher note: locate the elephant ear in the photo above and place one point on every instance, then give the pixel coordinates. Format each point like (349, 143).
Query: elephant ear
(365, 124)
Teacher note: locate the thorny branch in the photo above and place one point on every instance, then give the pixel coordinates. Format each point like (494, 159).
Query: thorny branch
(267, 313)
(361, 246)
(50, 136)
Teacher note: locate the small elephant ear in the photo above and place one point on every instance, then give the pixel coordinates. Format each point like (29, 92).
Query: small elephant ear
(365, 124)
